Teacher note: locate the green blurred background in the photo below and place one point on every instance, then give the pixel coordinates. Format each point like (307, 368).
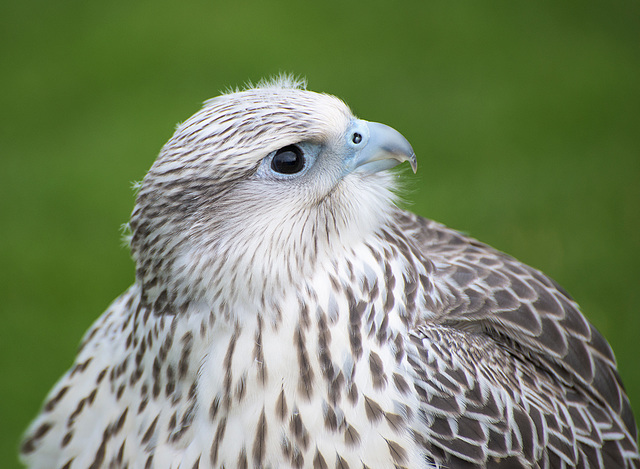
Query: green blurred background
(525, 117)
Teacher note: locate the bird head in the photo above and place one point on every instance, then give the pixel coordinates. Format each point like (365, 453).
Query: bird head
(257, 188)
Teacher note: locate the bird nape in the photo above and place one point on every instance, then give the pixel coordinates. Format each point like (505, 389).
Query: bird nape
(286, 313)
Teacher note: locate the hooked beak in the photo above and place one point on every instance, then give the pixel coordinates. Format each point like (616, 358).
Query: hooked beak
(384, 148)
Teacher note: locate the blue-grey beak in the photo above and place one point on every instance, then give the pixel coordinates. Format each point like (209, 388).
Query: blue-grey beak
(384, 148)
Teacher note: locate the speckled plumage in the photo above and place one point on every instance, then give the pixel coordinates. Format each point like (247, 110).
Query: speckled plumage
(304, 321)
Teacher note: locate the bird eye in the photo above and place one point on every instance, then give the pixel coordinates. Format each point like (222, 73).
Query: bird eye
(356, 138)
(288, 160)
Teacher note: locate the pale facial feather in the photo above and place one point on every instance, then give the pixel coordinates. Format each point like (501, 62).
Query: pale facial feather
(207, 226)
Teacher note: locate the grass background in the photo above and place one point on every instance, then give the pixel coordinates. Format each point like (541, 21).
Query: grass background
(524, 116)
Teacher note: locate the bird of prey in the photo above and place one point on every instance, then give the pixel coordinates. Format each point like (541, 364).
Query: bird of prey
(287, 314)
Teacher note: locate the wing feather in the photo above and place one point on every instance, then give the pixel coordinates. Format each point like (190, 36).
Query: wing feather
(509, 367)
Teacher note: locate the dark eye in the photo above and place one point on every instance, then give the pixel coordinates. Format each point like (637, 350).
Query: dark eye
(356, 138)
(288, 160)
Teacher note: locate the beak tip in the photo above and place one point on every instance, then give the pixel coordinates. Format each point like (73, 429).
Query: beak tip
(413, 161)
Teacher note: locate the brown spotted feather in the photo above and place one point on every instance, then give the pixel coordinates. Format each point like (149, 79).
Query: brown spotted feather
(509, 367)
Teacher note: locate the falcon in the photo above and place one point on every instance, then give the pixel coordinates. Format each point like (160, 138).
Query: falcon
(287, 314)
